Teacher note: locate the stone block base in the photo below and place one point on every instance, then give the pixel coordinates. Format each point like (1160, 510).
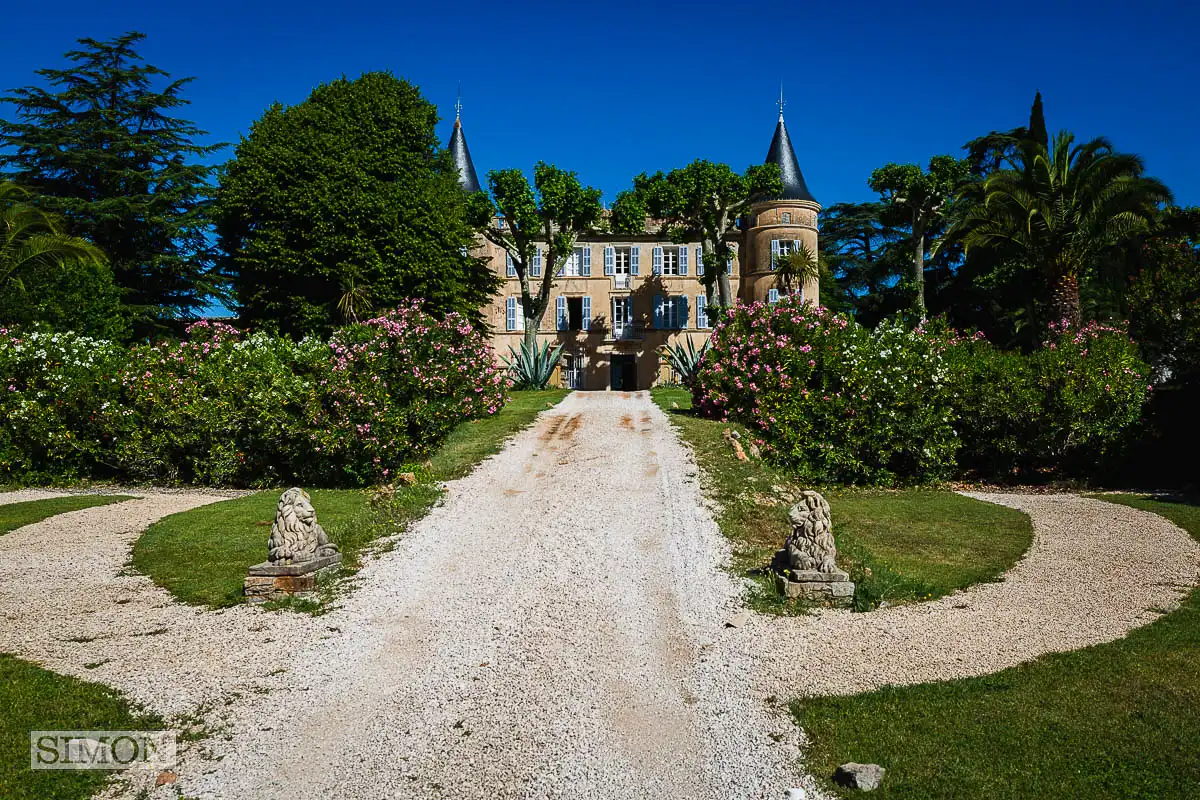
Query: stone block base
(833, 588)
(267, 581)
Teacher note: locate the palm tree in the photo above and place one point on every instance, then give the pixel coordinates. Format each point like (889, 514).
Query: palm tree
(796, 268)
(1060, 206)
(33, 239)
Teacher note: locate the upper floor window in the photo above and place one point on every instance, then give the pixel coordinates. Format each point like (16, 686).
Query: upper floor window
(671, 260)
(786, 216)
(579, 263)
(783, 247)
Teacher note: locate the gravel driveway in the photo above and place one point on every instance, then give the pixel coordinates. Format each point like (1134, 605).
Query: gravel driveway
(556, 628)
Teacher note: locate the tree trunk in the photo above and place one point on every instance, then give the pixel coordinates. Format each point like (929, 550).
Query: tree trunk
(1064, 299)
(919, 270)
(726, 295)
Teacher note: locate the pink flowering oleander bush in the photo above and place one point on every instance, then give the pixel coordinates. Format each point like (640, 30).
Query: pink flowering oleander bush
(397, 385)
(1069, 408)
(223, 408)
(54, 391)
(840, 404)
(835, 402)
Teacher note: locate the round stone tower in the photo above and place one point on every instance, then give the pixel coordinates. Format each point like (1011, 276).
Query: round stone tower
(778, 223)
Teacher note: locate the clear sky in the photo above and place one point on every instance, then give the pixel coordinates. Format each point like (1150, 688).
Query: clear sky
(613, 89)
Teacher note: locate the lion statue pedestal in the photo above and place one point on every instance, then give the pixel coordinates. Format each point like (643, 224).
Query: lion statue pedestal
(806, 566)
(297, 552)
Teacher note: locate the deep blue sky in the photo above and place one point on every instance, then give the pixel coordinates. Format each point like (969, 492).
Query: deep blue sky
(612, 89)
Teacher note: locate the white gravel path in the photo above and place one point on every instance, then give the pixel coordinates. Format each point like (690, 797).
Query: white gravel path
(554, 629)
(545, 633)
(69, 602)
(1094, 572)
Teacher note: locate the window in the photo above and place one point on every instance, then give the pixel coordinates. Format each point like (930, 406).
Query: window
(579, 263)
(621, 260)
(621, 263)
(783, 247)
(622, 317)
(701, 311)
(537, 263)
(772, 295)
(671, 260)
(573, 313)
(514, 317)
(785, 217)
(510, 270)
(670, 312)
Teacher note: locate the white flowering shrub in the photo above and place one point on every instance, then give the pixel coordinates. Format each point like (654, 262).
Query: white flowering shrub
(55, 389)
(832, 400)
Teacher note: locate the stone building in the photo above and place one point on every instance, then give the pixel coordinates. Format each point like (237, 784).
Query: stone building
(621, 297)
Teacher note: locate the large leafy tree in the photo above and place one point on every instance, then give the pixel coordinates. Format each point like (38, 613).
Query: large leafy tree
(518, 217)
(918, 199)
(345, 203)
(700, 202)
(861, 252)
(100, 146)
(1059, 207)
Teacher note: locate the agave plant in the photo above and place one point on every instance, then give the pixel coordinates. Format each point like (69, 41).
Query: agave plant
(684, 357)
(532, 367)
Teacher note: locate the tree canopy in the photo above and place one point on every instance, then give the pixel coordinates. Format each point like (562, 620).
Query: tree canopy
(700, 202)
(99, 146)
(519, 217)
(343, 203)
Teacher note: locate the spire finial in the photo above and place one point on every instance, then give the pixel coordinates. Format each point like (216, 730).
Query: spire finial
(458, 104)
(781, 102)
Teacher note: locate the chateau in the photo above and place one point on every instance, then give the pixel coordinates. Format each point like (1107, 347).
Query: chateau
(621, 297)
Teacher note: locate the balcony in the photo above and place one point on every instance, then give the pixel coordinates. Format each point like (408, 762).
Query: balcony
(622, 281)
(626, 333)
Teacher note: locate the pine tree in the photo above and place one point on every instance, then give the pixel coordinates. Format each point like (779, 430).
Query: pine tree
(99, 145)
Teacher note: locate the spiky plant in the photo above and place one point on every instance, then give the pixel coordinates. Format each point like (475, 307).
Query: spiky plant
(684, 357)
(532, 367)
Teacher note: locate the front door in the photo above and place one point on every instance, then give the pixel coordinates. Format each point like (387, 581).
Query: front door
(624, 372)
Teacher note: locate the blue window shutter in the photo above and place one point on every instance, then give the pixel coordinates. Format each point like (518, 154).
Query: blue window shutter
(701, 311)
(608, 261)
(658, 311)
(657, 261)
(683, 258)
(699, 260)
(560, 311)
(510, 311)
(772, 295)
(509, 268)
(635, 258)
(537, 262)
(586, 268)
(729, 266)
(774, 252)
(683, 312)
(587, 312)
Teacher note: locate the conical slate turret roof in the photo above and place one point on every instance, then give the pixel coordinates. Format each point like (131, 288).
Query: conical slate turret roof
(462, 159)
(781, 153)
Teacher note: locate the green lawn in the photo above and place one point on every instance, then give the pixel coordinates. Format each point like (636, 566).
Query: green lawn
(201, 556)
(32, 698)
(1118, 720)
(899, 546)
(17, 515)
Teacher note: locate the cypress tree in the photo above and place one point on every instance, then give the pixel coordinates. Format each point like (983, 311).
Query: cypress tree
(99, 145)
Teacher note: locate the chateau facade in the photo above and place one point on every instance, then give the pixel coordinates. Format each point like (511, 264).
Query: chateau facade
(620, 298)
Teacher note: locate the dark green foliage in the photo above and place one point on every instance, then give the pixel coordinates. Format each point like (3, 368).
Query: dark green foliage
(100, 147)
(347, 194)
(1118, 721)
(684, 357)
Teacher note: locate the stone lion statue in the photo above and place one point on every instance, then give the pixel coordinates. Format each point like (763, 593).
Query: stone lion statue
(296, 536)
(810, 545)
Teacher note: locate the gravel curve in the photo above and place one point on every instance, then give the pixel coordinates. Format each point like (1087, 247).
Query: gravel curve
(69, 602)
(1094, 572)
(549, 631)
